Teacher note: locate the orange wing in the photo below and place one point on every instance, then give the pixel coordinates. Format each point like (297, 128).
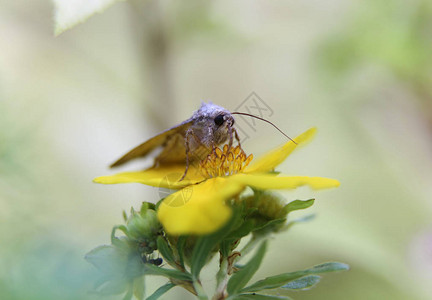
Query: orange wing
(172, 138)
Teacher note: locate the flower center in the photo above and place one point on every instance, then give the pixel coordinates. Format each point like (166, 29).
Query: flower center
(224, 162)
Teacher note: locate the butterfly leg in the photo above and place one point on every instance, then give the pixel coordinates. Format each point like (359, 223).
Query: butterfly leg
(230, 132)
(188, 134)
(237, 137)
(213, 144)
(199, 153)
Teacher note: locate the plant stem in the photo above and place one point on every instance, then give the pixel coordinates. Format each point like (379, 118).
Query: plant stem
(199, 290)
(222, 280)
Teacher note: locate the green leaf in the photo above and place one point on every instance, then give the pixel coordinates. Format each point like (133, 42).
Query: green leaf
(206, 244)
(303, 283)
(225, 247)
(113, 287)
(160, 291)
(139, 288)
(298, 204)
(242, 277)
(244, 229)
(181, 242)
(239, 230)
(68, 13)
(329, 267)
(129, 293)
(103, 279)
(268, 226)
(134, 266)
(282, 279)
(108, 259)
(304, 219)
(202, 251)
(121, 268)
(155, 270)
(260, 297)
(165, 250)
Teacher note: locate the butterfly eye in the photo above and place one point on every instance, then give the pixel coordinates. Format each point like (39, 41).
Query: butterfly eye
(219, 120)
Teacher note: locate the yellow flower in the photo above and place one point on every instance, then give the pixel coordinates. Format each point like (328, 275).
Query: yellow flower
(199, 206)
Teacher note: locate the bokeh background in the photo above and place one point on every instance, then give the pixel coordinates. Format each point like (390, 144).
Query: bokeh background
(361, 71)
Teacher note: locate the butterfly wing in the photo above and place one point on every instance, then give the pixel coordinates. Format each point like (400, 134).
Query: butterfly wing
(172, 138)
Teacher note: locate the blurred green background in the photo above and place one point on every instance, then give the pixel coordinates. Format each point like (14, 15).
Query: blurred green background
(361, 71)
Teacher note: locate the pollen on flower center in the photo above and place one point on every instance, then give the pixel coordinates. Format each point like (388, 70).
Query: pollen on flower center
(224, 162)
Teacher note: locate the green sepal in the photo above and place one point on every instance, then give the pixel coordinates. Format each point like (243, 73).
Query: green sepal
(147, 205)
(122, 228)
(242, 277)
(160, 291)
(297, 205)
(159, 203)
(274, 172)
(282, 279)
(143, 226)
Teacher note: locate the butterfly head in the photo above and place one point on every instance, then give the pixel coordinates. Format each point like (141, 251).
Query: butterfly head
(218, 119)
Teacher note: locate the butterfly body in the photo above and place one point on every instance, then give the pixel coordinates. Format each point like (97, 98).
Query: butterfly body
(190, 141)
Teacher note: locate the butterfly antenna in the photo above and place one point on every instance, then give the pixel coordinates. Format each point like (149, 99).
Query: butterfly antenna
(256, 117)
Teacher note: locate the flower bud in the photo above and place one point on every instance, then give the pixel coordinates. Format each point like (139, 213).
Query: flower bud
(266, 211)
(268, 205)
(144, 228)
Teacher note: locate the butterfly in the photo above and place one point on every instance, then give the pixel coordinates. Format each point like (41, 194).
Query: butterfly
(192, 140)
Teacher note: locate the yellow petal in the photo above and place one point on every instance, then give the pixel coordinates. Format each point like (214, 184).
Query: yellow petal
(198, 209)
(166, 177)
(276, 156)
(269, 181)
